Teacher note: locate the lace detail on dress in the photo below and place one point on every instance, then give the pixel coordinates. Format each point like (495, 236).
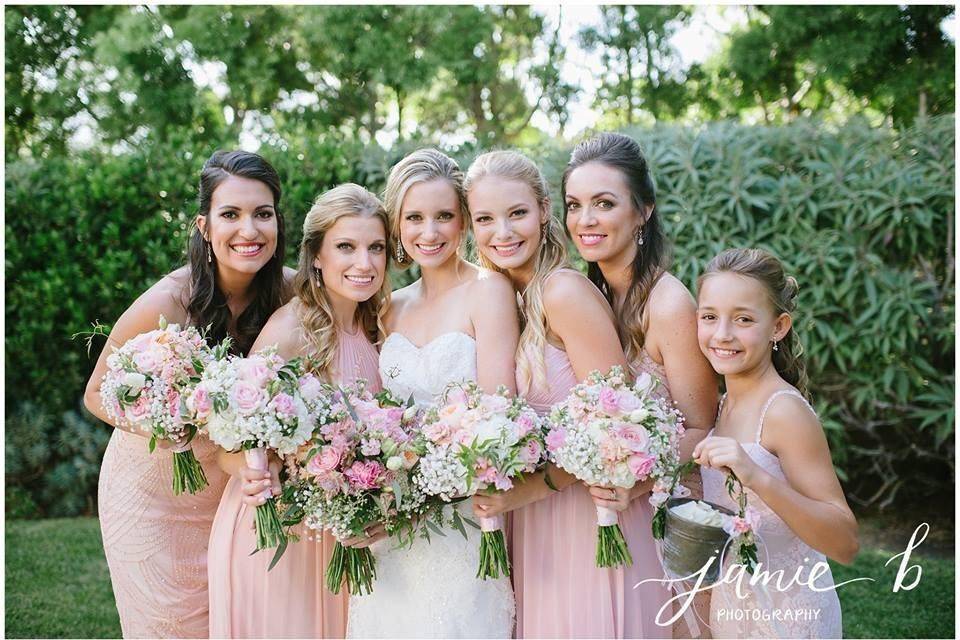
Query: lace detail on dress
(430, 590)
(780, 549)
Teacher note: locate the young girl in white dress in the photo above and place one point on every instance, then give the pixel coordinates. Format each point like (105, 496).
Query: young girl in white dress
(769, 436)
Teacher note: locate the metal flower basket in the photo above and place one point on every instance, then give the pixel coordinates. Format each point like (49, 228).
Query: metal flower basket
(687, 546)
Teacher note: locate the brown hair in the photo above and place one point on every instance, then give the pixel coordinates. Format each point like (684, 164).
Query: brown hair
(781, 289)
(314, 309)
(623, 154)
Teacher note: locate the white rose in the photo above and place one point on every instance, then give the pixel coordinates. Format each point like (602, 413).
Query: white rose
(135, 381)
(644, 382)
(638, 415)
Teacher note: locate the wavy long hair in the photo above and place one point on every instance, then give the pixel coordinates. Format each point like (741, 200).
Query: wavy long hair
(551, 255)
(781, 290)
(314, 308)
(207, 306)
(422, 165)
(651, 260)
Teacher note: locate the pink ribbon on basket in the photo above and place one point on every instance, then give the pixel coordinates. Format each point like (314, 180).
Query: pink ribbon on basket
(257, 459)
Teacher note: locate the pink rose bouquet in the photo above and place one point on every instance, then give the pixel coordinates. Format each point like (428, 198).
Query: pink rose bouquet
(475, 442)
(147, 385)
(611, 433)
(354, 472)
(256, 405)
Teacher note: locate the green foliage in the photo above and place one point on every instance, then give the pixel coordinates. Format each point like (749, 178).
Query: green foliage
(788, 60)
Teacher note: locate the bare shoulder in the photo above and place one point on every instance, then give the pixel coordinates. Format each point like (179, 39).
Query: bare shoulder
(282, 330)
(568, 287)
(670, 300)
(289, 274)
(490, 285)
(399, 300)
(168, 296)
(791, 425)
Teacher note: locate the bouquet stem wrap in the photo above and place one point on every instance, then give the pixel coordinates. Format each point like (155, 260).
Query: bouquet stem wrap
(188, 475)
(612, 548)
(269, 528)
(493, 549)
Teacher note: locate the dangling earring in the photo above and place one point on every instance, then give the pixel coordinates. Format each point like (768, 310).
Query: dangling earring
(401, 256)
(319, 275)
(640, 237)
(775, 347)
(209, 256)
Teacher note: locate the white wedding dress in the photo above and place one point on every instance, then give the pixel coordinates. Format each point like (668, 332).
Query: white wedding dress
(430, 590)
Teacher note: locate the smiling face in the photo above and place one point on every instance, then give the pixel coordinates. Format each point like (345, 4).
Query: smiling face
(431, 224)
(353, 258)
(506, 221)
(242, 225)
(736, 323)
(601, 217)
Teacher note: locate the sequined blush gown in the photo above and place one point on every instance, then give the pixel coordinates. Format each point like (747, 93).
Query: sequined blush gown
(780, 548)
(290, 600)
(560, 591)
(156, 542)
(430, 590)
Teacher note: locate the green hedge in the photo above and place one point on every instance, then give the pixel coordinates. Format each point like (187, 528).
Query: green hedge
(862, 216)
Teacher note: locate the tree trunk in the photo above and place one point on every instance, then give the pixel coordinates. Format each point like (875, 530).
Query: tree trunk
(629, 57)
(400, 99)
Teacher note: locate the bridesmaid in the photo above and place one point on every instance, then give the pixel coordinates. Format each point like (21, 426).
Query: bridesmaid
(155, 542)
(610, 204)
(559, 589)
(341, 289)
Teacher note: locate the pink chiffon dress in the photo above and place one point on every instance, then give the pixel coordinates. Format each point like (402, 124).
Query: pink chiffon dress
(797, 612)
(156, 542)
(560, 591)
(291, 600)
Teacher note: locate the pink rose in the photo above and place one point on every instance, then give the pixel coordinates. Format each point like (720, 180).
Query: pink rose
(641, 465)
(200, 403)
(452, 414)
(248, 397)
(556, 439)
(628, 401)
(148, 361)
(485, 473)
(438, 432)
(531, 452)
(173, 403)
(495, 403)
(139, 410)
(609, 401)
(310, 388)
(325, 461)
(254, 370)
(464, 437)
(364, 474)
(283, 404)
(634, 438)
(525, 425)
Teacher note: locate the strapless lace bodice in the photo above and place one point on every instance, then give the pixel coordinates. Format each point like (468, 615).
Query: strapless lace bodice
(430, 590)
(424, 372)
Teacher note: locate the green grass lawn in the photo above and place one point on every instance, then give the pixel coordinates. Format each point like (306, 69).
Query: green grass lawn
(57, 586)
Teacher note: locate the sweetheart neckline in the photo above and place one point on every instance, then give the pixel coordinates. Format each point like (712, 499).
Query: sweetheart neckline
(430, 342)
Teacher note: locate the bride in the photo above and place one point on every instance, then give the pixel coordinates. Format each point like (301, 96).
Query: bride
(457, 322)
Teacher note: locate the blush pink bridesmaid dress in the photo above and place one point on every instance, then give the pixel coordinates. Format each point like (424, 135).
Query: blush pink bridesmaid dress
(560, 591)
(291, 600)
(156, 542)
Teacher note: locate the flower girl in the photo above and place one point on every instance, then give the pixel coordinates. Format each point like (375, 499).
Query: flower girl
(769, 436)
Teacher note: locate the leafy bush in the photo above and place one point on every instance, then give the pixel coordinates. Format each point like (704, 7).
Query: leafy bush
(862, 216)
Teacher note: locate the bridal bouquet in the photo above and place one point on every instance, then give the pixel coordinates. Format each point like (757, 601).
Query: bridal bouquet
(356, 471)
(146, 386)
(611, 433)
(477, 441)
(256, 404)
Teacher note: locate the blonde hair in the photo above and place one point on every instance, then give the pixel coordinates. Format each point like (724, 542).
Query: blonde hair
(781, 290)
(551, 256)
(422, 165)
(315, 309)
